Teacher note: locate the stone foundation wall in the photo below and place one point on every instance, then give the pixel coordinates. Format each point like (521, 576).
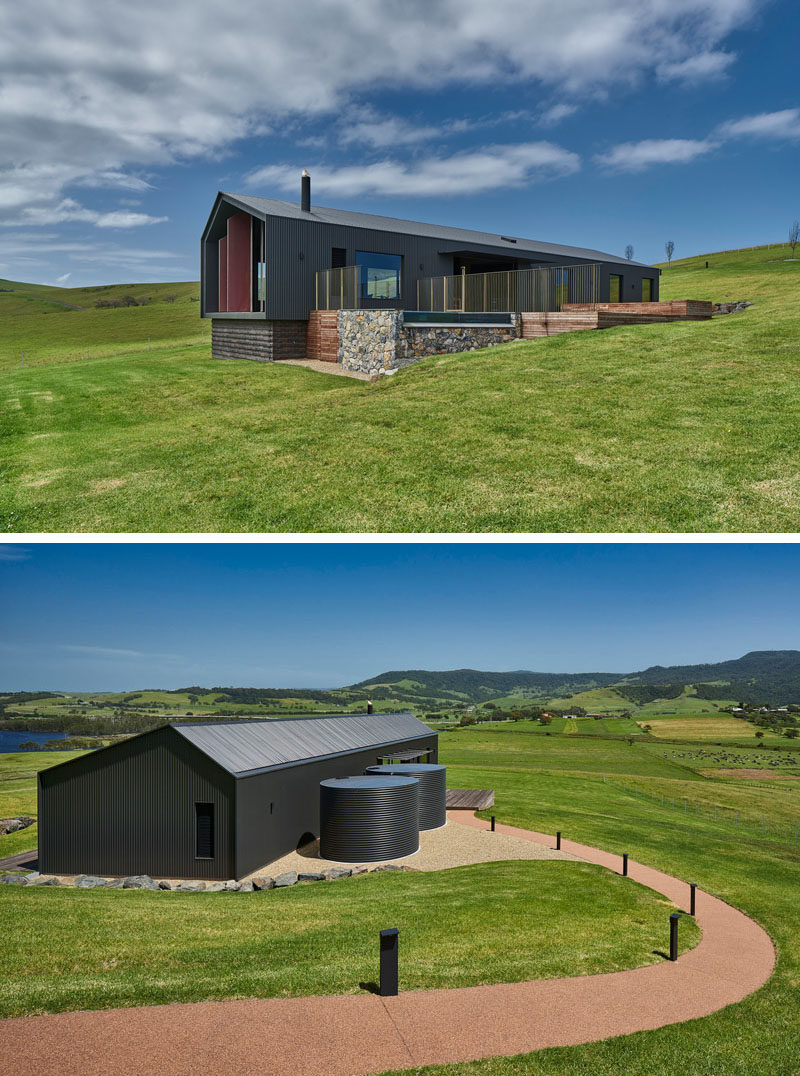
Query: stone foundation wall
(379, 342)
(259, 341)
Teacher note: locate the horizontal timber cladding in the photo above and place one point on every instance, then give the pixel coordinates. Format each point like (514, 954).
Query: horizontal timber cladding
(277, 810)
(130, 809)
(322, 340)
(257, 340)
(676, 309)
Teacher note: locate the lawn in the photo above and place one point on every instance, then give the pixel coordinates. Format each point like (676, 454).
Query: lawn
(485, 923)
(682, 427)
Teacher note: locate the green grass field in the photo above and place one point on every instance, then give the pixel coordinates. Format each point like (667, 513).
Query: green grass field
(461, 927)
(682, 427)
(40, 325)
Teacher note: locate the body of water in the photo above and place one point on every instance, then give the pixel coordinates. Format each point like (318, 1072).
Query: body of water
(10, 741)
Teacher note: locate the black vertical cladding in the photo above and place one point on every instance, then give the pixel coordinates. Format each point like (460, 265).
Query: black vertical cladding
(298, 247)
(131, 809)
(263, 835)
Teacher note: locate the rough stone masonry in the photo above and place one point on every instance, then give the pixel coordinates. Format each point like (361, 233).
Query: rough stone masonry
(379, 341)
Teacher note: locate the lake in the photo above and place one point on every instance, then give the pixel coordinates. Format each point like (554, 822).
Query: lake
(10, 741)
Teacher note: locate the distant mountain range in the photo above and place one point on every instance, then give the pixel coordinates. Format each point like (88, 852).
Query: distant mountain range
(763, 676)
(769, 676)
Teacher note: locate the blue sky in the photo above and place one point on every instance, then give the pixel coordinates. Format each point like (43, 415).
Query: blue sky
(593, 122)
(100, 616)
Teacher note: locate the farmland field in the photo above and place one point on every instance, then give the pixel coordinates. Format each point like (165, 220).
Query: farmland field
(682, 427)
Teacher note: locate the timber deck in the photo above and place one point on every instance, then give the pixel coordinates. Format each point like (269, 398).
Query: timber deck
(470, 799)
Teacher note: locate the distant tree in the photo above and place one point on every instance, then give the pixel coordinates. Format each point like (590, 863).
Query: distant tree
(759, 735)
(794, 235)
(546, 719)
(792, 734)
(169, 298)
(669, 247)
(629, 252)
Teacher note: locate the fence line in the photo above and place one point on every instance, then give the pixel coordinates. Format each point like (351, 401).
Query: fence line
(731, 819)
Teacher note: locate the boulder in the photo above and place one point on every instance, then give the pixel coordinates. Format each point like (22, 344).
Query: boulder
(163, 884)
(289, 878)
(359, 870)
(246, 887)
(232, 886)
(216, 887)
(90, 881)
(116, 884)
(310, 876)
(191, 887)
(338, 872)
(139, 881)
(44, 879)
(13, 879)
(263, 882)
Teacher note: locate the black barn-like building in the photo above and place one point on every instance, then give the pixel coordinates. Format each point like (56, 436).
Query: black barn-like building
(211, 800)
(263, 262)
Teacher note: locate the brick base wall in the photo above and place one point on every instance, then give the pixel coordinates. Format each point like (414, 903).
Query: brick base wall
(259, 341)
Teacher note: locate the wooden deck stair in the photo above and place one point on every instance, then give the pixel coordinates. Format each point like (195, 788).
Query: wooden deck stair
(575, 317)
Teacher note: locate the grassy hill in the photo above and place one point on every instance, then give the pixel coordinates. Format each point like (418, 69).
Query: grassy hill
(683, 427)
(47, 325)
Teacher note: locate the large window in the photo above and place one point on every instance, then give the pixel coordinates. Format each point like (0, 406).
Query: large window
(204, 830)
(647, 289)
(379, 275)
(614, 288)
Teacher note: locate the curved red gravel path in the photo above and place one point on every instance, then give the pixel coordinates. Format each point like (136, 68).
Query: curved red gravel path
(356, 1035)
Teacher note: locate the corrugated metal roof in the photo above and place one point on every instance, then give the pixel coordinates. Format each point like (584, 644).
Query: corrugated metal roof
(242, 747)
(274, 207)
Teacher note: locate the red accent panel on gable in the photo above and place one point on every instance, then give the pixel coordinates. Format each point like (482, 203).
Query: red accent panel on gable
(223, 275)
(240, 259)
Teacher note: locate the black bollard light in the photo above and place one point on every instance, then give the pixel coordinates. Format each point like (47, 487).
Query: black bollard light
(558, 841)
(492, 823)
(624, 864)
(693, 897)
(389, 948)
(673, 935)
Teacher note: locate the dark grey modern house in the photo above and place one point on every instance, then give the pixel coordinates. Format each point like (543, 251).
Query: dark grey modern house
(267, 265)
(211, 800)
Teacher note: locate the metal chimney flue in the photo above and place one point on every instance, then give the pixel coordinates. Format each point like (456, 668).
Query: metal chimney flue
(369, 707)
(305, 191)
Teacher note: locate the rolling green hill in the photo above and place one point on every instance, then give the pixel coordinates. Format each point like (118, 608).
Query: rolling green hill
(682, 427)
(46, 325)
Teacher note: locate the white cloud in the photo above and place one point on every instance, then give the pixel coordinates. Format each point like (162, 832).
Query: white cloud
(70, 210)
(89, 99)
(61, 280)
(636, 156)
(494, 168)
(14, 553)
(700, 68)
(114, 652)
(783, 124)
(112, 178)
(556, 113)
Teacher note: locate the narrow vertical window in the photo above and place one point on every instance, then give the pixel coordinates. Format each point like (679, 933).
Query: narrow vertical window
(647, 289)
(204, 830)
(614, 288)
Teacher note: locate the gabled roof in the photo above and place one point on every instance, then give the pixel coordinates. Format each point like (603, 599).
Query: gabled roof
(245, 747)
(274, 207)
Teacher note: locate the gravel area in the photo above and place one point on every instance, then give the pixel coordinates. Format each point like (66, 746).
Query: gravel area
(454, 845)
(324, 368)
